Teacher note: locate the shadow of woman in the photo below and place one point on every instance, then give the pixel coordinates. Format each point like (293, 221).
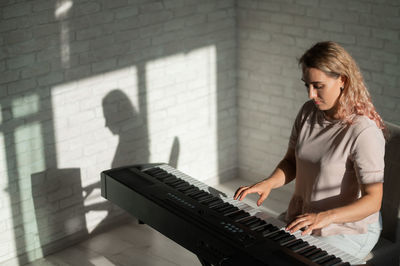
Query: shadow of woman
(130, 126)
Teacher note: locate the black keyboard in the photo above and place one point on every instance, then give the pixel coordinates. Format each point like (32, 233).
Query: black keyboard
(215, 228)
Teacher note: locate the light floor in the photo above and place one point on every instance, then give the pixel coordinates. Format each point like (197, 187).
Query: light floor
(138, 244)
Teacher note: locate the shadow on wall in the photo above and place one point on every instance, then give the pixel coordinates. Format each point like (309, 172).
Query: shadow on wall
(70, 53)
(174, 155)
(130, 126)
(58, 195)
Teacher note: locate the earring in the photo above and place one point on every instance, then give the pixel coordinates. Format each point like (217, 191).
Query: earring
(341, 88)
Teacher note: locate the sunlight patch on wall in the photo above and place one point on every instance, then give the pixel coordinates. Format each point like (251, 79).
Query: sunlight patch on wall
(79, 114)
(61, 13)
(29, 147)
(86, 134)
(182, 103)
(3, 158)
(6, 236)
(24, 152)
(25, 106)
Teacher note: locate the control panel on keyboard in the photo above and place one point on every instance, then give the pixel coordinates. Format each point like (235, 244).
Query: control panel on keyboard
(219, 217)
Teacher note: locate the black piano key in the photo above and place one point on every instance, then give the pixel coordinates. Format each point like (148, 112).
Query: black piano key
(196, 193)
(155, 168)
(169, 179)
(307, 249)
(277, 235)
(160, 174)
(256, 224)
(255, 227)
(269, 231)
(153, 171)
(164, 177)
(281, 234)
(246, 221)
(325, 259)
(211, 199)
(190, 191)
(172, 183)
(317, 256)
(183, 186)
(230, 211)
(299, 246)
(220, 207)
(179, 183)
(196, 196)
(286, 239)
(262, 227)
(213, 202)
(249, 220)
(175, 183)
(238, 216)
(311, 252)
(334, 262)
(186, 189)
(256, 221)
(296, 242)
(204, 198)
(223, 207)
(272, 234)
(293, 243)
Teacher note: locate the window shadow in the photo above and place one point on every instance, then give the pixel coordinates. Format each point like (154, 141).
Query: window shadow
(59, 194)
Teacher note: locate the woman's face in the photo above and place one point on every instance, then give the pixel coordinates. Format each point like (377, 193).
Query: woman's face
(324, 90)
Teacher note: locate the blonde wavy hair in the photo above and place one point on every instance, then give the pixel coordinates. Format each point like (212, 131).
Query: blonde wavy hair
(335, 61)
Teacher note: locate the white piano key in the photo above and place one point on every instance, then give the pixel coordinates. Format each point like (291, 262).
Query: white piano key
(255, 212)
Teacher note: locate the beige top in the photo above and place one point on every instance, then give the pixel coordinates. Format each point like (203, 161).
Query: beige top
(332, 160)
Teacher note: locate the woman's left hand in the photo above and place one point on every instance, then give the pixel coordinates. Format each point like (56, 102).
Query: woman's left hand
(310, 221)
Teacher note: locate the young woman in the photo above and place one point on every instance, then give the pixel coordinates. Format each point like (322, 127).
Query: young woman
(335, 154)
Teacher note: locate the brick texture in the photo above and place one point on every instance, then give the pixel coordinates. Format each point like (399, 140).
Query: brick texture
(86, 86)
(272, 35)
(211, 87)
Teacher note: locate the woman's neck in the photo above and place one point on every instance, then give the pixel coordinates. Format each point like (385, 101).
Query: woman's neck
(332, 114)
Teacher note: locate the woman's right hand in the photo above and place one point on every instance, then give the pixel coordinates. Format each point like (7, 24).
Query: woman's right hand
(262, 188)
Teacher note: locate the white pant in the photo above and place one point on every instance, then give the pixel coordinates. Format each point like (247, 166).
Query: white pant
(358, 245)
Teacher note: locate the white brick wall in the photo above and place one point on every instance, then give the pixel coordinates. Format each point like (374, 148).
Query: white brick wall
(273, 34)
(162, 72)
(176, 75)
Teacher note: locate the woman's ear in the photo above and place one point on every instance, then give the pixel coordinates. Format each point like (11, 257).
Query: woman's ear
(343, 80)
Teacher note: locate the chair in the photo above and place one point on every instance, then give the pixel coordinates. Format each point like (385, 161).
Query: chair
(387, 250)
